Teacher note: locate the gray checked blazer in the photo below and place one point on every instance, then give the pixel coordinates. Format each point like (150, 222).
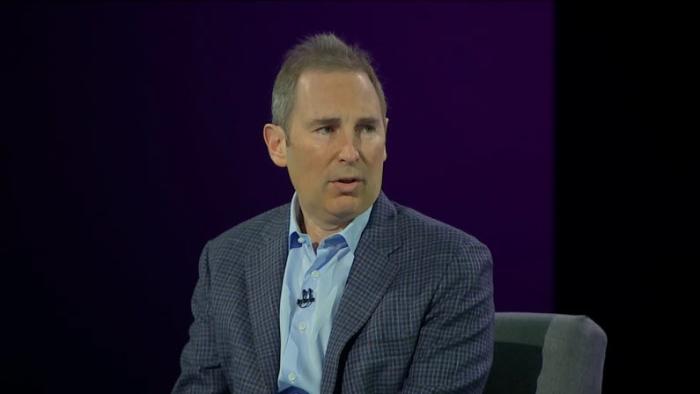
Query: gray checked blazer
(417, 315)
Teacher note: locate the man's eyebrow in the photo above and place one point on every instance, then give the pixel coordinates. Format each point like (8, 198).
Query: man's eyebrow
(323, 122)
(371, 121)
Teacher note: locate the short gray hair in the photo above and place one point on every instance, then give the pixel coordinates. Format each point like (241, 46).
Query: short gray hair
(323, 52)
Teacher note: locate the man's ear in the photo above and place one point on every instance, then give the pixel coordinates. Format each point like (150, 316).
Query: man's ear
(276, 141)
(386, 130)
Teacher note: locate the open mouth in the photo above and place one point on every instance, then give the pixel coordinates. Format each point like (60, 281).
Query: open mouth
(347, 180)
(347, 185)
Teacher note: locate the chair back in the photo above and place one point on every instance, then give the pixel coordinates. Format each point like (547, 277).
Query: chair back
(543, 353)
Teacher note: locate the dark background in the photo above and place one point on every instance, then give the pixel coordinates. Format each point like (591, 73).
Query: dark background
(132, 134)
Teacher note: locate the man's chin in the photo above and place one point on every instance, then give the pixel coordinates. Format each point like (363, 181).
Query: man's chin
(346, 207)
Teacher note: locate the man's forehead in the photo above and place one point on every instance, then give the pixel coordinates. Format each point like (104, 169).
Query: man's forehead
(312, 77)
(334, 94)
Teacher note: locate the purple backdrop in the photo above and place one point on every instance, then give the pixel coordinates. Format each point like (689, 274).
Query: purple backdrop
(139, 137)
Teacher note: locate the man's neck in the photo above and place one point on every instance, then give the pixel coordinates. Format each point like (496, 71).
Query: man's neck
(317, 231)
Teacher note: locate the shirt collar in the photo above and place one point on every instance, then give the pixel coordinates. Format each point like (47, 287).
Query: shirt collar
(351, 233)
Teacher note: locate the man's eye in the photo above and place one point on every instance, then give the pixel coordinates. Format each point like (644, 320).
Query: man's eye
(368, 129)
(325, 129)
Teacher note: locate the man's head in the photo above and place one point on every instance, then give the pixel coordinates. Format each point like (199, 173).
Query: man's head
(329, 128)
(323, 52)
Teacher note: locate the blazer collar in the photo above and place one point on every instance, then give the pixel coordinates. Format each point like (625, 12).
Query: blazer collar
(370, 276)
(264, 275)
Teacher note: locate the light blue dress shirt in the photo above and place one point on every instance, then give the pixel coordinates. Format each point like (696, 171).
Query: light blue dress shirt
(304, 332)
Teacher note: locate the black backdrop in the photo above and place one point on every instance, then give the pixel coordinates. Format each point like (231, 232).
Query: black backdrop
(625, 210)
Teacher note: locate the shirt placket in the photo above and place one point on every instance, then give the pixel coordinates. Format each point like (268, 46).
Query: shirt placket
(302, 318)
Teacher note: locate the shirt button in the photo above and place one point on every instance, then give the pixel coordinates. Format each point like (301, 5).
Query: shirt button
(301, 240)
(315, 274)
(302, 326)
(292, 377)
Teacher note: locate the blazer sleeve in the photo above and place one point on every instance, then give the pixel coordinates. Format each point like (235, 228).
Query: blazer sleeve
(200, 365)
(454, 351)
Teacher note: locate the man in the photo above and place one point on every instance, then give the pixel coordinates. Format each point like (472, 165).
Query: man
(341, 289)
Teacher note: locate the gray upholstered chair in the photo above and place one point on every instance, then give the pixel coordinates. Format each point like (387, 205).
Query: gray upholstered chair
(547, 353)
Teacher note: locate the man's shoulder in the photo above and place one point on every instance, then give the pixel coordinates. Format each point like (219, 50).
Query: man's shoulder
(420, 231)
(411, 222)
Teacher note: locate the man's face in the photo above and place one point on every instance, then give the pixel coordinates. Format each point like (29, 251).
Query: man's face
(336, 144)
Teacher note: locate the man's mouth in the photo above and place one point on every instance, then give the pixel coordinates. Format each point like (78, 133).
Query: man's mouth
(347, 180)
(347, 185)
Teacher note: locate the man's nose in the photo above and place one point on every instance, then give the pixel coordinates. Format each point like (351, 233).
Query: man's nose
(349, 146)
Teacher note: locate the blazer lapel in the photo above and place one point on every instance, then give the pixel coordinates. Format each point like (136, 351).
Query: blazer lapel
(368, 281)
(264, 275)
